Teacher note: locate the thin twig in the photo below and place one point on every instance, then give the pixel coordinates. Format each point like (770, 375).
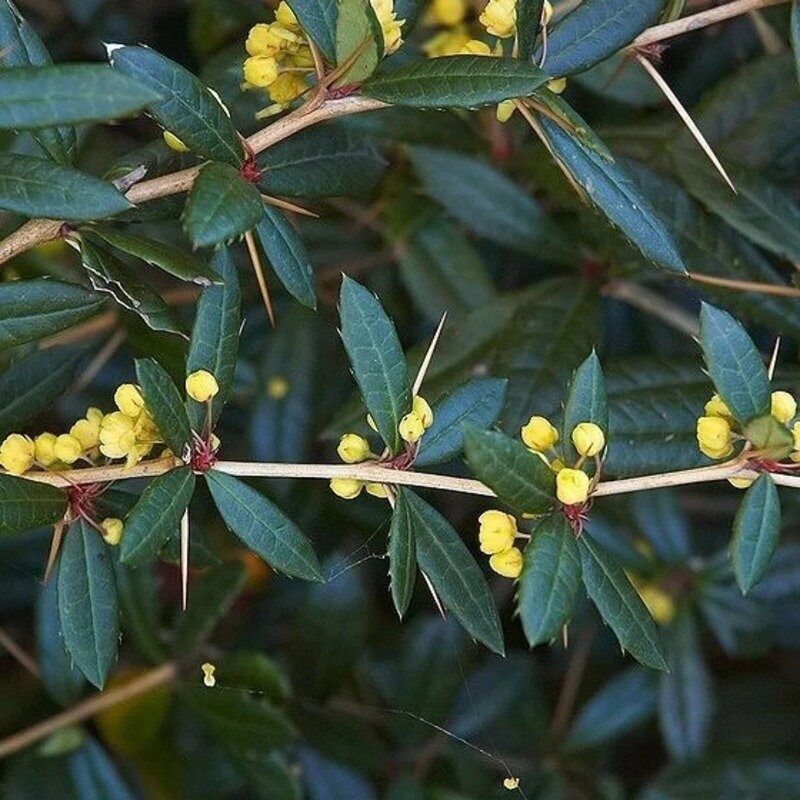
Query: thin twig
(572, 681)
(655, 304)
(258, 270)
(423, 369)
(745, 286)
(18, 654)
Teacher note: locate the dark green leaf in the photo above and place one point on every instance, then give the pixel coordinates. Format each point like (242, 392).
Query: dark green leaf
(222, 206)
(215, 335)
(619, 605)
(376, 358)
(795, 34)
(156, 515)
(318, 20)
(734, 364)
(402, 558)
(165, 404)
(613, 192)
(452, 571)
(25, 505)
(587, 400)
(95, 776)
(139, 605)
(455, 82)
(34, 187)
(34, 383)
(663, 523)
(506, 466)
(359, 39)
(263, 527)
(268, 774)
(187, 108)
(87, 602)
(287, 255)
(550, 579)
(35, 97)
(210, 600)
(478, 403)
(529, 19)
(755, 532)
(595, 30)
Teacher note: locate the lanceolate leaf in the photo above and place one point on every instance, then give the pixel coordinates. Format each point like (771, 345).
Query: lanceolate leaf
(287, 254)
(587, 400)
(37, 308)
(452, 570)
(359, 40)
(376, 358)
(25, 505)
(613, 192)
(222, 206)
(529, 17)
(87, 602)
(157, 515)
(456, 82)
(263, 527)
(165, 404)
(34, 187)
(755, 532)
(187, 108)
(595, 30)
(506, 466)
(318, 20)
(402, 556)
(734, 364)
(215, 335)
(619, 605)
(550, 580)
(35, 97)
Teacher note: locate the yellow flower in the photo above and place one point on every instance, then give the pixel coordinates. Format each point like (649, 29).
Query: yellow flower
(346, 488)
(497, 531)
(277, 387)
(508, 563)
(208, 670)
(716, 407)
(547, 12)
(411, 428)
(557, 85)
(539, 434)
(783, 406)
(588, 439)
(572, 486)
(17, 453)
(390, 25)
(377, 490)
(129, 400)
(270, 40)
(112, 530)
(260, 71)
(302, 58)
(505, 110)
(475, 47)
(174, 143)
(286, 88)
(353, 448)
(795, 455)
(714, 437)
(117, 437)
(201, 386)
(741, 483)
(449, 12)
(446, 42)
(660, 605)
(67, 448)
(421, 408)
(87, 430)
(500, 18)
(511, 783)
(371, 423)
(43, 446)
(285, 17)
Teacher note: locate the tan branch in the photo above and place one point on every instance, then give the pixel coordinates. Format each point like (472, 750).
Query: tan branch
(745, 286)
(653, 303)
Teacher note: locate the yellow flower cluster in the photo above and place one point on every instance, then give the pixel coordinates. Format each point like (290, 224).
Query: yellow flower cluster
(354, 449)
(716, 429)
(128, 433)
(497, 534)
(573, 485)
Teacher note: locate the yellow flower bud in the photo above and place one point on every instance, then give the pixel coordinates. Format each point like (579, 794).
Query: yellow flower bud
(174, 143)
(269, 41)
(285, 17)
(353, 448)
(741, 483)
(378, 490)
(67, 449)
(201, 386)
(129, 400)
(547, 12)
(260, 71)
(497, 531)
(505, 110)
(302, 58)
(43, 446)
(112, 530)
(117, 437)
(87, 432)
(508, 563)
(660, 605)
(714, 437)
(346, 488)
(286, 88)
(572, 486)
(277, 387)
(17, 453)
(421, 408)
(716, 407)
(795, 455)
(475, 47)
(499, 17)
(557, 85)
(511, 783)
(448, 12)
(411, 428)
(539, 434)
(588, 438)
(446, 42)
(783, 406)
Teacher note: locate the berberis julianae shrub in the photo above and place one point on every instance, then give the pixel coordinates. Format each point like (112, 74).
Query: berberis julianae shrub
(515, 278)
